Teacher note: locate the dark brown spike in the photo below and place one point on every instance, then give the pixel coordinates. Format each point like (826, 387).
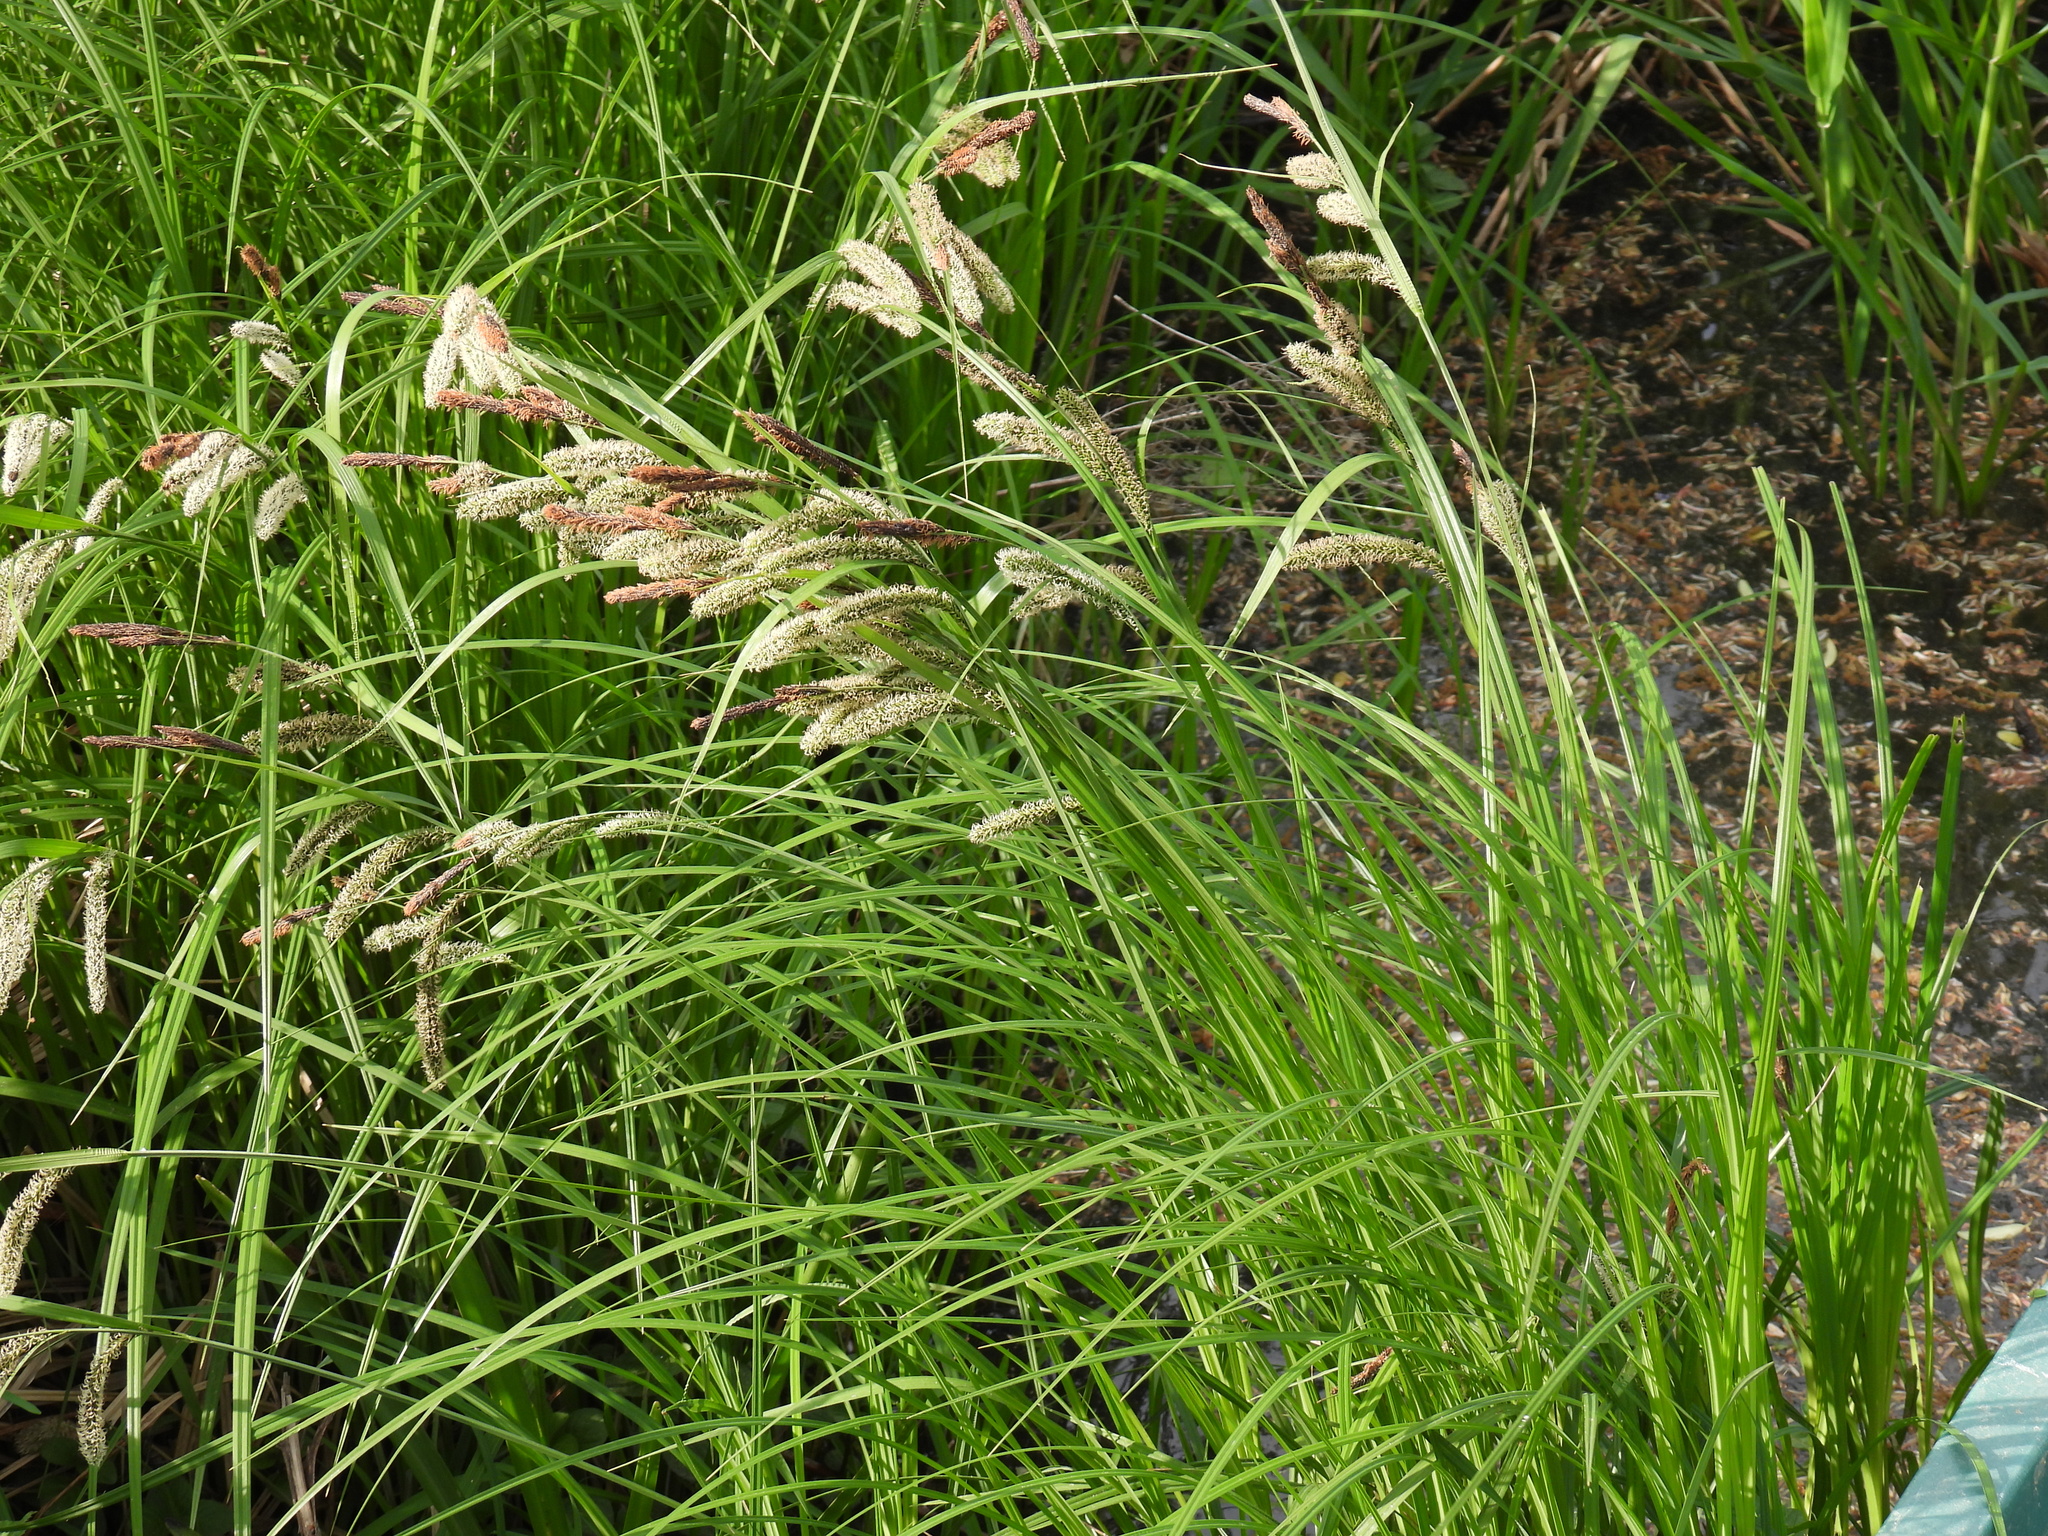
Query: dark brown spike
(138, 637)
(398, 461)
(186, 736)
(964, 157)
(134, 743)
(425, 896)
(1027, 39)
(915, 530)
(265, 270)
(532, 404)
(780, 434)
(737, 711)
(689, 478)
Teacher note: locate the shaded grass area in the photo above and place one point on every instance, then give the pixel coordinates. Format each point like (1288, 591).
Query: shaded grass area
(1312, 1124)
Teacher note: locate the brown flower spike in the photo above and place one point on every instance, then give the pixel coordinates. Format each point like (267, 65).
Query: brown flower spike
(780, 434)
(265, 270)
(964, 157)
(138, 637)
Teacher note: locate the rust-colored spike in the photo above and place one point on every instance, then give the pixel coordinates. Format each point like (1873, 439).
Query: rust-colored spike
(285, 923)
(492, 330)
(964, 157)
(781, 434)
(532, 404)
(662, 515)
(138, 637)
(167, 450)
(135, 743)
(265, 270)
(998, 24)
(398, 461)
(1371, 1368)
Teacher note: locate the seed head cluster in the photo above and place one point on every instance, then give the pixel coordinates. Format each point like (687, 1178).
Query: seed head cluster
(886, 293)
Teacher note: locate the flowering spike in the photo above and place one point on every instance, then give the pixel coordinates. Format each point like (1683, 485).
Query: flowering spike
(279, 497)
(20, 1224)
(99, 874)
(1020, 818)
(28, 439)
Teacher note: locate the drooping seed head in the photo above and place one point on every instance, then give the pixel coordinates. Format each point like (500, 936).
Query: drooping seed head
(22, 577)
(19, 1225)
(281, 366)
(366, 885)
(93, 1398)
(1343, 379)
(581, 462)
(314, 842)
(260, 333)
(102, 501)
(99, 875)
